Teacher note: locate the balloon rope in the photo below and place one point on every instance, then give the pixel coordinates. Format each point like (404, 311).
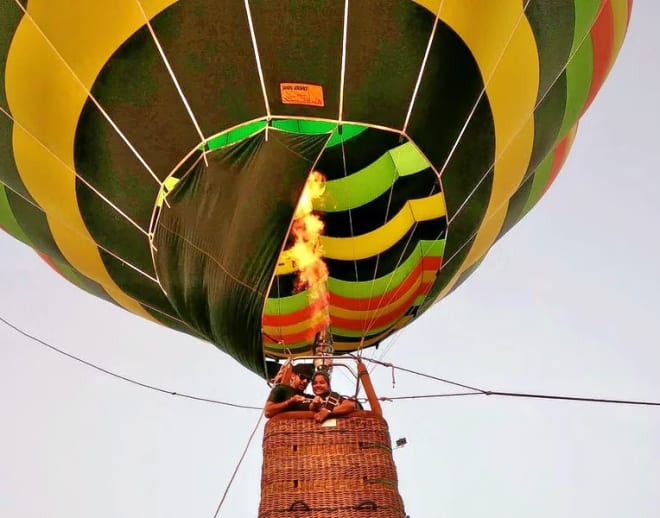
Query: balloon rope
(523, 395)
(240, 461)
(125, 378)
(482, 392)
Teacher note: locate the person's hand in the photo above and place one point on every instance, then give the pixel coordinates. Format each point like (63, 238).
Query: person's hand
(296, 399)
(321, 415)
(316, 403)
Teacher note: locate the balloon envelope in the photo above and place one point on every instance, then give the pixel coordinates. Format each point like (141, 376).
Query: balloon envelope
(154, 152)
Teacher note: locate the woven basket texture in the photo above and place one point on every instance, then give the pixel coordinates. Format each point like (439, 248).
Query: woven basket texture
(342, 469)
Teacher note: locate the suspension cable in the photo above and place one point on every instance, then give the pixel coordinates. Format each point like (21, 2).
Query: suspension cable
(125, 378)
(483, 392)
(240, 461)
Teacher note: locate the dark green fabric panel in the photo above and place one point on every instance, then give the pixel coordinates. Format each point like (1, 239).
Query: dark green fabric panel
(386, 45)
(379, 211)
(172, 323)
(386, 262)
(8, 172)
(548, 118)
(112, 231)
(145, 291)
(10, 16)
(32, 221)
(208, 45)
(105, 162)
(464, 276)
(460, 235)
(136, 90)
(448, 92)
(357, 153)
(219, 241)
(467, 169)
(517, 204)
(300, 41)
(553, 24)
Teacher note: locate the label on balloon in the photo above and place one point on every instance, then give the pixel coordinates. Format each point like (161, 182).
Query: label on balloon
(302, 93)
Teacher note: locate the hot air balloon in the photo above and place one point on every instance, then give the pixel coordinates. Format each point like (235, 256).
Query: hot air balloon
(155, 152)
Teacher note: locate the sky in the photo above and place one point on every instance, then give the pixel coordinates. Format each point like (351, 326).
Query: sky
(566, 303)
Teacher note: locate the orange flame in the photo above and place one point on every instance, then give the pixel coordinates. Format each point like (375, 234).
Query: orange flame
(307, 251)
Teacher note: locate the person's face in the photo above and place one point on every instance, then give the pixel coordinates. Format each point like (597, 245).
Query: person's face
(299, 381)
(319, 386)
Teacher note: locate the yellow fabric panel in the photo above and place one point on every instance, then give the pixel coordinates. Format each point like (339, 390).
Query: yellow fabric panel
(502, 42)
(46, 99)
(374, 242)
(620, 13)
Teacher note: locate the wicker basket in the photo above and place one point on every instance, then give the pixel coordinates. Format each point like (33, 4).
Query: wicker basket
(343, 468)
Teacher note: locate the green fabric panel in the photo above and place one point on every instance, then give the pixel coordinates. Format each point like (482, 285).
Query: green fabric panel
(362, 289)
(464, 276)
(585, 16)
(384, 52)
(408, 160)
(219, 240)
(235, 135)
(113, 232)
(355, 154)
(142, 289)
(348, 131)
(364, 186)
(359, 188)
(8, 222)
(541, 176)
(578, 73)
(34, 225)
(299, 42)
(548, 118)
(10, 16)
(208, 46)
(553, 26)
(392, 280)
(304, 127)
(136, 91)
(441, 109)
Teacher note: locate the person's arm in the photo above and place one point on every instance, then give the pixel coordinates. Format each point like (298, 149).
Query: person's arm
(316, 404)
(346, 406)
(272, 408)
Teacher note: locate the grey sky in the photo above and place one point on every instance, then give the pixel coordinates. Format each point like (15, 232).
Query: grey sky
(567, 303)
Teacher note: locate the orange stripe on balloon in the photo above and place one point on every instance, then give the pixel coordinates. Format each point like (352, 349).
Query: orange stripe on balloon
(602, 36)
(559, 157)
(386, 318)
(426, 265)
(45, 258)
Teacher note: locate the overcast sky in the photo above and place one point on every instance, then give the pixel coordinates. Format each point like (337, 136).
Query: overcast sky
(567, 303)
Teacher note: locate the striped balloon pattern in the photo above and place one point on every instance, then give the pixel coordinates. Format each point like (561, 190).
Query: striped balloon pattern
(154, 151)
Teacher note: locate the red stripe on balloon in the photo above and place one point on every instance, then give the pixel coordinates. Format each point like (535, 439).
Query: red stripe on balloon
(558, 159)
(427, 264)
(602, 36)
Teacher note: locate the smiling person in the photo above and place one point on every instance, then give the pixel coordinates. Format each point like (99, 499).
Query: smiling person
(327, 403)
(291, 397)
